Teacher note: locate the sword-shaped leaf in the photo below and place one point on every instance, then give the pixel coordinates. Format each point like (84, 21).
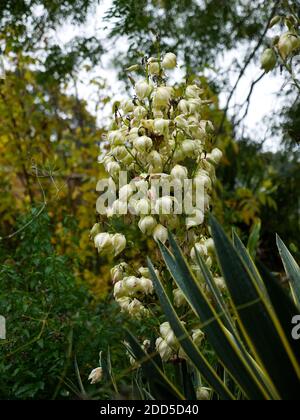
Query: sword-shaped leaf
(194, 354)
(292, 269)
(160, 384)
(257, 319)
(227, 350)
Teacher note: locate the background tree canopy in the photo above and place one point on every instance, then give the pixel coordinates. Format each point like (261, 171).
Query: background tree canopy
(49, 141)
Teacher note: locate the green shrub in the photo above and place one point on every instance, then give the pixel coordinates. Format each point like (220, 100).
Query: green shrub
(50, 319)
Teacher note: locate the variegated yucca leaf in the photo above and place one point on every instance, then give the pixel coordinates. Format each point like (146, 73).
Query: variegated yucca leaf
(249, 331)
(292, 270)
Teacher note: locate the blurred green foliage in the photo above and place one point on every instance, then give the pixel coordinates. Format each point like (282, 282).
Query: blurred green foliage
(29, 27)
(49, 145)
(50, 319)
(197, 30)
(258, 185)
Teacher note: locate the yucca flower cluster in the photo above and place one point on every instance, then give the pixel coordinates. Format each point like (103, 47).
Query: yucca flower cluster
(168, 346)
(159, 135)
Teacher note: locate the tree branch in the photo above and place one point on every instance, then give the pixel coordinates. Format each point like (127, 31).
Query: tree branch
(248, 61)
(248, 100)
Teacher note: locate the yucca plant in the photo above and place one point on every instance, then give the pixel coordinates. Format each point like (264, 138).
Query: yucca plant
(249, 330)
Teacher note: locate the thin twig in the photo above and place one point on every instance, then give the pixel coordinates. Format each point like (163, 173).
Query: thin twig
(44, 205)
(248, 100)
(248, 61)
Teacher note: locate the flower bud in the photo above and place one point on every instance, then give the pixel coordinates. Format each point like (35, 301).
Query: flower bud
(147, 225)
(171, 340)
(215, 156)
(124, 303)
(195, 106)
(209, 262)
(198, 337)
(140, 112)
(143, 144)
(275, 21)
(143, 89)
(163, 349)
(181, 122)
(130, 284)
(203, 181)
(119, 243)
(170, 61)
(118, 272)
(133, 134)
(178, 155)
(132, 206)
(291, 21)
(155, 160)
(196, 220)
(160, 233)
(127, 160)
(207, 127)
(106, 160)
(96, 375)
(145, 272)
(120, 290)
(119, 152)
(133, 68)
(109, 213)
(103, 242)
(146, 286)
(202, 250)
(198, 132)
(136, 309)
(146, 345)
(127, 106)
(132, 360)
(164, 329)
(143, 207)
(179, 172)
(161, 126)
(157, 113)
(189, 147)
(126, 192)
(193, 92)
(116, 137)
(179, 299)
(168, 335)
(164, 205)
(162, 97)
(118, 208)
(268, 60)
(210, 245)
(148, 124)
(197, 272)
(203, 394)
(113, 168)
(220, 283)
(183, 106)
(154, 68)
(141, 185)
(288, 43)
(95, 230)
